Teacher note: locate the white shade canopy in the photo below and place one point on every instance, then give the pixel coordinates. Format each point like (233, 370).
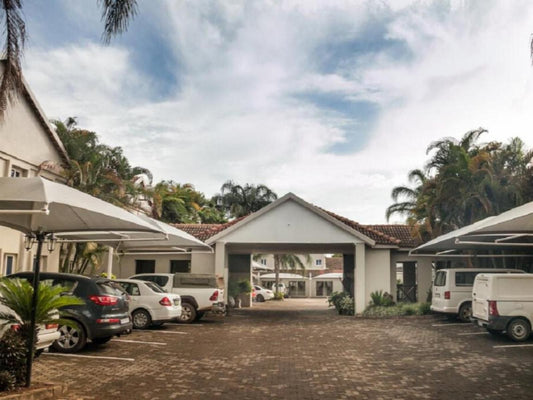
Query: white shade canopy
(511, 229)
(39, 205)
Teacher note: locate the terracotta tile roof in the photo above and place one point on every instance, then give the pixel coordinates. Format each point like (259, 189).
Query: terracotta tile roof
(377, 235)
(392, 235)
(205, 231)
(401, 232)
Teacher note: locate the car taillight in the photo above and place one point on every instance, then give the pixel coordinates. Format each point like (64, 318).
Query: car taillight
(15, 327)
(51, 326)
(446, 295)
(104, 300)
(214, 296)
(165, 301)
(493, 309)
(108, 321)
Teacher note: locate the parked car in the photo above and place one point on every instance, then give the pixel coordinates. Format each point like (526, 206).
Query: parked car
(262, 294)
(46, 334)
(452, 290)
(282, 288)
(105, 313)
(504, 303)
(199, 293)
(150, 304)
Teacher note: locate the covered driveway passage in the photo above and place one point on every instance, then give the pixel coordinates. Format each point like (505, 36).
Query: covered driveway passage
(290, 225)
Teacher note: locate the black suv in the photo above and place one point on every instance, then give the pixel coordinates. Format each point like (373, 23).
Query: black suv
(104, 315)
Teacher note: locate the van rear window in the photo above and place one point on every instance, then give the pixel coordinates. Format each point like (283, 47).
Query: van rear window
(440, 278)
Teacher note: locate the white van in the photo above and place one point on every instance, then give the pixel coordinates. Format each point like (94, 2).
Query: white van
(452, 290)
(504, 303)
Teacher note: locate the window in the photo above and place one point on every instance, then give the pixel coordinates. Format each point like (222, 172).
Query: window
(161, 280)
(67, 284)
(263, 261)
(318, 262)
(465, 278)
(131, 288)
(180, 266)
(440, 278)
(155, 287)
(144, 266)
(17, 172)
(9, 264)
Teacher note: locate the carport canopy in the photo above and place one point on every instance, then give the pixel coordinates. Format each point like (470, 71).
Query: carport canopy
(509, 230)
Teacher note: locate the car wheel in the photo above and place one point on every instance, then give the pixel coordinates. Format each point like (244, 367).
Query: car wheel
(188, 313)
(72, 338)
(141, 319)
(518, 330)
(465, 312)
(102, 340)
(260, 298)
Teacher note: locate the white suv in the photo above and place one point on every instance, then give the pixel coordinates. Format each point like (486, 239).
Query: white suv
(452, 290)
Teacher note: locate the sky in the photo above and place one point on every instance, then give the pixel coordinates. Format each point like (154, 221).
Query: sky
(334, 101)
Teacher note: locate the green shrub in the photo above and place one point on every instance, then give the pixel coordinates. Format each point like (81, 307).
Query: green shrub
(424, 308)
(278, 296)
(13, 356)
(343, 302)
(381, 299)
(397, 310)
(7, 381)
(244, 286)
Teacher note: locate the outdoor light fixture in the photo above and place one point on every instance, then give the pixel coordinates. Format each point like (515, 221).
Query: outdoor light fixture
(51, 242)
(29, 240)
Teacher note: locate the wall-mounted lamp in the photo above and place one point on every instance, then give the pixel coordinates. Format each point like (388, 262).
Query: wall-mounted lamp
(51, 242)
(29, 240)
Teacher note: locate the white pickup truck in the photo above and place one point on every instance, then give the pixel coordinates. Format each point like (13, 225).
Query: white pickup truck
(199, 293)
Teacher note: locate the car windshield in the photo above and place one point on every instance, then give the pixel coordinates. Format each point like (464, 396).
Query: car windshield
(155, 287)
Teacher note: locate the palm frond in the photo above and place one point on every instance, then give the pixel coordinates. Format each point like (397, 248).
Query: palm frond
(116, 15)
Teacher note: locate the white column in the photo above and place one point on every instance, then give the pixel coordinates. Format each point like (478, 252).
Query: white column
(360, 278)
(109, 262)
(221, 266)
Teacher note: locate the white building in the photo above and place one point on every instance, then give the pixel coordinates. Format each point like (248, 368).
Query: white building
(29, 147)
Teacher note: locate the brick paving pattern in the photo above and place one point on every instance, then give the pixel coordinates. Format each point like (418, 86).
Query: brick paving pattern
(299, 349)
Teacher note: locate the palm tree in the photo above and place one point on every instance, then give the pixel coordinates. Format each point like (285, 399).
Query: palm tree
(116, 15)
(238, 201)
(17, 294)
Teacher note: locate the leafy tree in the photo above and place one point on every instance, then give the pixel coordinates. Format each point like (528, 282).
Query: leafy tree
(237, 201)
(116, 15)
(464, 182)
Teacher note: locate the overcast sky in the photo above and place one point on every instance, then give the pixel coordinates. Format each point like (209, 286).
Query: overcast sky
(334, 101)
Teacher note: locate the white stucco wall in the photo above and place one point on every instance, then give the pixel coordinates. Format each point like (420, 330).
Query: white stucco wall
(202, 263)
(289, 222)
(24, 146)
(378, 272)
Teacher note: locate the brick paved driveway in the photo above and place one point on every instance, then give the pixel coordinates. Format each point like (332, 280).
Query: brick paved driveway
(299, 349)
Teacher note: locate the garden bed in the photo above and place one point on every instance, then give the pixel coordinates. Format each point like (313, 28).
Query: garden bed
(37, 391)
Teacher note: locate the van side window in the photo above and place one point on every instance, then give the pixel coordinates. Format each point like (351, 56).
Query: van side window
(465, 278)
(440, 278)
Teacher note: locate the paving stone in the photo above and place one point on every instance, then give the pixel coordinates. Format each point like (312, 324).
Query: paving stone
(299, 349)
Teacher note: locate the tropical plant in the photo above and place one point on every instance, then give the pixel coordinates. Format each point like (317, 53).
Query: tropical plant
(463, 182)
(12, 360)
(286, 262)
(116, 15)
(17, 294)
(237, 201)
(343, 303)
(381, 299)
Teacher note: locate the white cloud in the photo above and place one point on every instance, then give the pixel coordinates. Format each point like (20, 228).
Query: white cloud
(234, 115)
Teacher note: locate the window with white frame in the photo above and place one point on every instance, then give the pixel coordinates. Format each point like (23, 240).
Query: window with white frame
(17, 172)
(318, 262)
(263, 261)
(9, 264)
